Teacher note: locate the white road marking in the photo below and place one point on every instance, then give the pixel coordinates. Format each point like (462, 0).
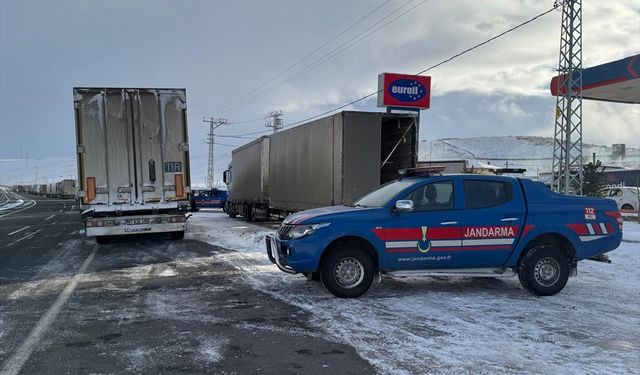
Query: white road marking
(19, 230)
(33, 203)
(8, 206)
(17, 361)
(49, 217)
(28, 235)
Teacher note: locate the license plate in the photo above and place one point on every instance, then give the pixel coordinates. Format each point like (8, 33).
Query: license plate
(136, 221)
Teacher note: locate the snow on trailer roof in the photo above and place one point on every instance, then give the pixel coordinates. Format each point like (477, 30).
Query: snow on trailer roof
(616, 81)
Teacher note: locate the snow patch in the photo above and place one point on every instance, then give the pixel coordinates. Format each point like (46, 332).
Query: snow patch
(456, 325)
(211, 350)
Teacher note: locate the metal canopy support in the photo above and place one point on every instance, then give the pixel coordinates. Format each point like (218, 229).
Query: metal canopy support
(567, 148)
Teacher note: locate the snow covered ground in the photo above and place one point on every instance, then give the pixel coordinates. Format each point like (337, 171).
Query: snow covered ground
(532, 153)
(462, 325)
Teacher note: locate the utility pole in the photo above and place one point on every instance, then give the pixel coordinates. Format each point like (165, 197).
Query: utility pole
(214, 123)
(567, 172)
(274, 120)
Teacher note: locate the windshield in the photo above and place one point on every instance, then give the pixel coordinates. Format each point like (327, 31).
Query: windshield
(384, 194)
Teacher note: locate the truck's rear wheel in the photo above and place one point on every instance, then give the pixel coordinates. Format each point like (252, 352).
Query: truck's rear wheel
(347, 272)
(544, 270)
(103, 239)
(248, 213)
(626, 206)
(177, 235)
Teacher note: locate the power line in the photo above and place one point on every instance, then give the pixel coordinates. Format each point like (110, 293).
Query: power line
(226, 144)
(431, 67)
(419, 73)
(305, 56)
(342, 47)
(247, 121)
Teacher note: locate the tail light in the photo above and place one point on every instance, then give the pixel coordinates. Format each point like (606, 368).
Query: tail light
(617, 215)
(91, 189)
(179, 182)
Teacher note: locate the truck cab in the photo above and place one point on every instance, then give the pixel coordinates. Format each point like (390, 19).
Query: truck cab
(448, 225)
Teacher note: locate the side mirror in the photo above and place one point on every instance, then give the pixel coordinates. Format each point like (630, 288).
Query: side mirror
(404, 205)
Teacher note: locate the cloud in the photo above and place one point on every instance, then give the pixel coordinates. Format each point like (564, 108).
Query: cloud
(220, 51)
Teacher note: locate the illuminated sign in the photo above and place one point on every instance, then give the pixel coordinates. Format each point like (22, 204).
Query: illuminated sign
(403, 90)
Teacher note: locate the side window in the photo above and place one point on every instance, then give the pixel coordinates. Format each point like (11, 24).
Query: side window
(432, 197)
(616, 193)
(482, 194)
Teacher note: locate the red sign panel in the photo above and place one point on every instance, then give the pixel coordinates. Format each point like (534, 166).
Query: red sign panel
(403, 90)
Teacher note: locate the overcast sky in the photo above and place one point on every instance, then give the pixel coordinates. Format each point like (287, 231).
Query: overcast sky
(222, 50)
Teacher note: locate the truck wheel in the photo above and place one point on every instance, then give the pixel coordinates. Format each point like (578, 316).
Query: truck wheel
(347, 272)
(248, 213)
(177, 235)
(626, 206)
(103, 239)
(231, 211)
(544, 270)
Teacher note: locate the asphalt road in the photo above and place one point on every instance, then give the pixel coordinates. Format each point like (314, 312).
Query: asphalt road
(144, 304)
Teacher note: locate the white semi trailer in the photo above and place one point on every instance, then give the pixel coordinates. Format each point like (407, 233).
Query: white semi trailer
(133, 160)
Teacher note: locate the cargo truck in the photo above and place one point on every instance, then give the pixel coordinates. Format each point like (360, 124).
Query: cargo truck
(133, 160)
(330, 161)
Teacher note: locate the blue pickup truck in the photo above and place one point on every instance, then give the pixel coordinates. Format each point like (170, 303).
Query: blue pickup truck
(425, 225)
(208, 198)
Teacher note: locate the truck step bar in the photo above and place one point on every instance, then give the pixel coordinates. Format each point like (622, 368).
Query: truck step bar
(472, 272)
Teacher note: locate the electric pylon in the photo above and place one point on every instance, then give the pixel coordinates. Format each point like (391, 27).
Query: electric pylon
(274, 120)
(214, 123)
(567, 147)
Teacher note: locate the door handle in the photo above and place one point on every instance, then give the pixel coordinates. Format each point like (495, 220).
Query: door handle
(449, 223)
(510, 219)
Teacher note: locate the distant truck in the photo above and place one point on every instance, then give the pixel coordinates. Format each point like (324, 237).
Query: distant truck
(329, 161)
(621, 177)
(133, 160)
(65, 189)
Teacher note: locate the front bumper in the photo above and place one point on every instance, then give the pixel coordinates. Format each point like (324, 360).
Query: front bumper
(274, 254)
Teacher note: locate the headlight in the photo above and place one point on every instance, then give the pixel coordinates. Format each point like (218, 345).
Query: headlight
(299, 231)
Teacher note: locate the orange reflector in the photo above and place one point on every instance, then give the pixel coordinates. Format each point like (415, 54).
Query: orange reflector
(91, 189)
(179, 182)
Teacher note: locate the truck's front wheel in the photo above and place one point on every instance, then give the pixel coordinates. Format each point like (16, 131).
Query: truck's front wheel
(544, 270)
(347, 272)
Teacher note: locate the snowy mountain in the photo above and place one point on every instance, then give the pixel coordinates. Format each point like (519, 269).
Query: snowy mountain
(532, 153)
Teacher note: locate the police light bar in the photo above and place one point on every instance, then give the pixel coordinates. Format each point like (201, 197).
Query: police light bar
(422, 171)
(509, 170)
